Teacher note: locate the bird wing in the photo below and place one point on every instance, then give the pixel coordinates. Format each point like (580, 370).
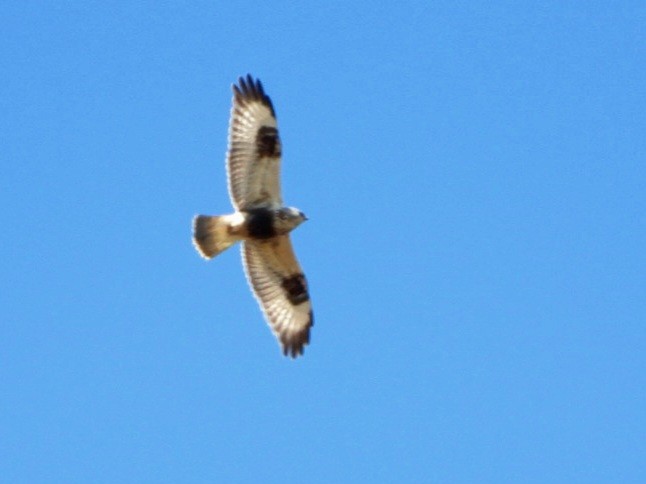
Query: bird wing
(253, 157)
(280, 287)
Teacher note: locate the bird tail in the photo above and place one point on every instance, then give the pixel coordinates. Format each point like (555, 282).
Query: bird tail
(211, 235)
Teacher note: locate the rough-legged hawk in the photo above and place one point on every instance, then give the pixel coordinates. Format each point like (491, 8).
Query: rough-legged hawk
(260, 220)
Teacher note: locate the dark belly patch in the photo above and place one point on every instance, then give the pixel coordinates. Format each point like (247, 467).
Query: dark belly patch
(260, 223)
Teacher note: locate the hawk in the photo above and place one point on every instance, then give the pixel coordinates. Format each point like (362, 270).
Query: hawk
(260, 220)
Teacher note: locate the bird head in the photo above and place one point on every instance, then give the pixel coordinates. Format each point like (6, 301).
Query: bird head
(288, 218)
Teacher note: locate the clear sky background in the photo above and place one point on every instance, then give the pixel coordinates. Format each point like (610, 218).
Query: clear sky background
(475, 178)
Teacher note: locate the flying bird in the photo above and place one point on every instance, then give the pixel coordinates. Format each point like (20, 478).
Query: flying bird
(260, 221)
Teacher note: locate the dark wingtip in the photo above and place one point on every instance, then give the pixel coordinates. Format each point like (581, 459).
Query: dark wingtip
(294, 346)
(294, 350)
(250, 89)
(250, 81)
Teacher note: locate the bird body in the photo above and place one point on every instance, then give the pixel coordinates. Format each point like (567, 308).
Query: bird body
(260, 221)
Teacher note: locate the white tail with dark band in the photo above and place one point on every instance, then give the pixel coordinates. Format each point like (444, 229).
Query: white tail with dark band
(211, 235)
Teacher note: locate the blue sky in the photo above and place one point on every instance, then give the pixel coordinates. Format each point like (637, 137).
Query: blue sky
(475, 179)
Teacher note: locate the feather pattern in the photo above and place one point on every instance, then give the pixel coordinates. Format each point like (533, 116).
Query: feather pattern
(253, 157)
(281, 289)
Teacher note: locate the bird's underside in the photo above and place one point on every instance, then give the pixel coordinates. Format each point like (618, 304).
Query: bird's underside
(260, 221)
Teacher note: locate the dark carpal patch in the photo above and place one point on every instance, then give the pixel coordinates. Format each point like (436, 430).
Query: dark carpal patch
(260, 223)
(296, 288)
(267, 142)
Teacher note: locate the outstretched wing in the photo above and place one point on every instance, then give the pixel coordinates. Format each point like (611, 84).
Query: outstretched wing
(281, 289)
(253, 158)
